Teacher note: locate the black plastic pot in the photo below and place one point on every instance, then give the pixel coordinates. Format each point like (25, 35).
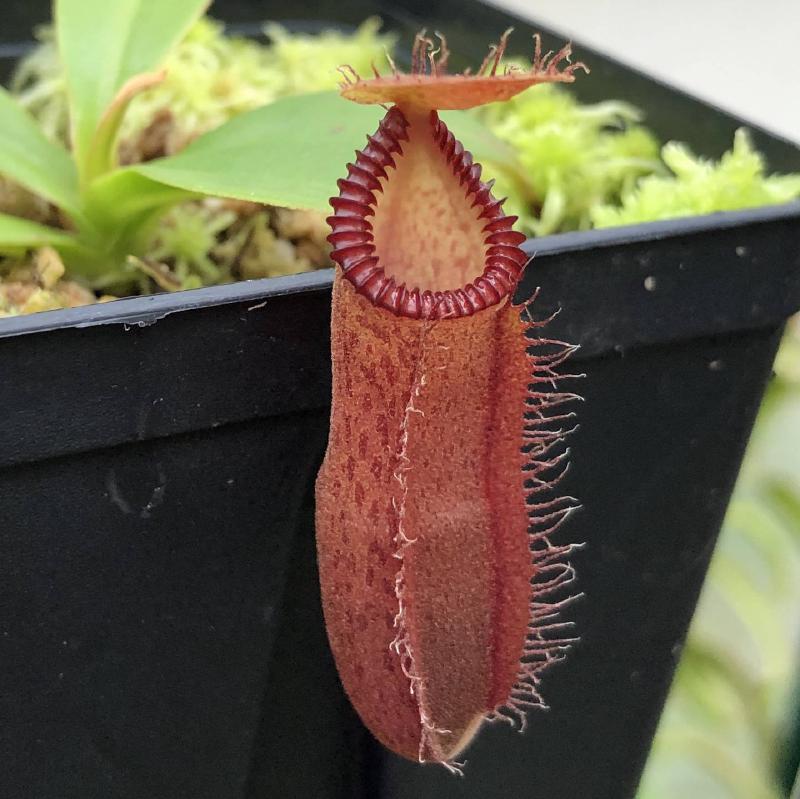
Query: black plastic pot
(160, 626)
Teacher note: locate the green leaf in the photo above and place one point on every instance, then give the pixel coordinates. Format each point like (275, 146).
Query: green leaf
(104, 44)
(33, 161)
(289, 153)
(102, 156)
(115, 198)
(18, 235)
(21, 234)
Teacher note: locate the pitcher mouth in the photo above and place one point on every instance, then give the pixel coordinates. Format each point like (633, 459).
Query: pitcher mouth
(496, 263)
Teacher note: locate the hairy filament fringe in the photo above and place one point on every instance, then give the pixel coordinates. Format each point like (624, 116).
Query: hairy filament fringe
(543, 436)
(430, 60)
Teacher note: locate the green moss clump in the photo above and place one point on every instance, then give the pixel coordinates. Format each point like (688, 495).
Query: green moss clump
(699, 186)
(37, 283)
(310, 63)
(574, 156)
(186, 239)
(212, 241)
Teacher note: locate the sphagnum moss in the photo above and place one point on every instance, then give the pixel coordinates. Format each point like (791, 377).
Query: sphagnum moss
(581, 166)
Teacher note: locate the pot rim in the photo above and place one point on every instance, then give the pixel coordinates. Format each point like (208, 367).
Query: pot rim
(142, 311)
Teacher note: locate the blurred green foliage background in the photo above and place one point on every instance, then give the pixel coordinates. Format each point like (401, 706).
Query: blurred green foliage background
(730, 726)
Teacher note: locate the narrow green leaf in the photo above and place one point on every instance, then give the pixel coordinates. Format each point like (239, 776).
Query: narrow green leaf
(289, 153)
(102, 156)
(17, 233)
(33, 161)
(115, 198)
(104, 44)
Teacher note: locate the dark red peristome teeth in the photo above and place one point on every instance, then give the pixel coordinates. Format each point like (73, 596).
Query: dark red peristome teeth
(352, 240)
